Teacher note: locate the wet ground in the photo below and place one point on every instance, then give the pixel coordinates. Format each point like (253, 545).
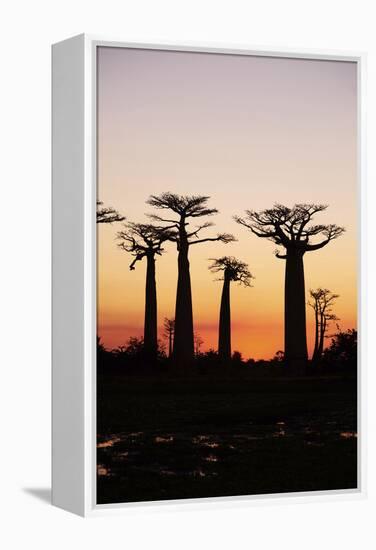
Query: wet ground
(308, 442)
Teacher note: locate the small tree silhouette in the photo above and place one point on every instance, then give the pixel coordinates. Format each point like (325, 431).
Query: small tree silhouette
(279, 357)
(291, 228)
(198, 343)
(233, 270)
(145, 241)
(342, 351)
(169, 329)
(322, 302)
(185, 207)
(107, 215)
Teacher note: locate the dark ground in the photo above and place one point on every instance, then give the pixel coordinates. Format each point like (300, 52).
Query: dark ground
(170, 438)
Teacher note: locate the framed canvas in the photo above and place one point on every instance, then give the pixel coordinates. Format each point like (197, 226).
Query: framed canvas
(208, 296)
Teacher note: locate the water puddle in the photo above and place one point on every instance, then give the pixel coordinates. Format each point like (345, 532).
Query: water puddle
(203, 455)
(348, 435)
(108, 442)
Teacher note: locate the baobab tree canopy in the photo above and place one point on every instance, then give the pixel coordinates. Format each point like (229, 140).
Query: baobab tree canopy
(291, 228)
(141, 239)
(186, 206)
(232, 268)
(107, 215)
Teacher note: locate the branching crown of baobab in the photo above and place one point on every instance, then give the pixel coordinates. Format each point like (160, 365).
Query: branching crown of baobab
(234, 269)
(186, 206)
(107, 215)
(291, 228)
(141, 239)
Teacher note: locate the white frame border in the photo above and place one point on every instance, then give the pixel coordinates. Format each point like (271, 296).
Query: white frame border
(91, 508)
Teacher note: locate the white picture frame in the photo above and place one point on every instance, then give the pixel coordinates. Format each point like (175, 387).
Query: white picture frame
(74, 276)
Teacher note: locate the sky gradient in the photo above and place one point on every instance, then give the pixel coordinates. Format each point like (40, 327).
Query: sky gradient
(248, 132)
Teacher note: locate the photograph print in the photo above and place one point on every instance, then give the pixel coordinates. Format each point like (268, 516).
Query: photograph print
(227, 248)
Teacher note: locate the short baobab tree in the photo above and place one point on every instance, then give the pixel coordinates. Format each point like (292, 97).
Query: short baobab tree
(233, 270)
(291, 228)
(169, 329)
(321, 302)
(107, 214)
(145, 241)
(183, 209)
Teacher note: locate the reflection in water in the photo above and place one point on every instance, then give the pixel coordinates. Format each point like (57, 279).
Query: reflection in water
(211, 458)
(183, 454)
(168, 473)
(281, 432)
(102, 470)
(200, 439)
(205, 441)
(164, 439)
(348, 435)
(109, 442)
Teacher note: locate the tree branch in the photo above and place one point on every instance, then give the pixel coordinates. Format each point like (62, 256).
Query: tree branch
(223, 237)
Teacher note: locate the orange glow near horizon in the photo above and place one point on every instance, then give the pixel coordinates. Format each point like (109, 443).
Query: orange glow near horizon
(248, 132)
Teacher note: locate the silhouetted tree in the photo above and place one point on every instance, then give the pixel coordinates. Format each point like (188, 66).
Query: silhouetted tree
(279, 357)
(145, 241)
(185, 207)
(237, 358)
(233, 270)
(101, 352)
(100, 346)
(198, 341)
(291, 229)
(169, 329)
(342, 351)
(107, 215)
(321, 303)
(132, 349)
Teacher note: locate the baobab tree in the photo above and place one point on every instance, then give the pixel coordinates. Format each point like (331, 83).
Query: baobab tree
(107, 215)
(233, 270)
(321, 302)
(291, 229)
(145, 241)
(185, 208)
(169, 329)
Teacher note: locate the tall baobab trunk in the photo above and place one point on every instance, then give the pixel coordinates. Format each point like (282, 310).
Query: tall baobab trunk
(150, 326)
(224, 339)
(295, 313)
(183, 337)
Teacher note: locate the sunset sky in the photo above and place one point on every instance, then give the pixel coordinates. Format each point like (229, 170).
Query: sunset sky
(248, 132)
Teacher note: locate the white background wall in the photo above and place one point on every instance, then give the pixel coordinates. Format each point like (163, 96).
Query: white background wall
(27, 30)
